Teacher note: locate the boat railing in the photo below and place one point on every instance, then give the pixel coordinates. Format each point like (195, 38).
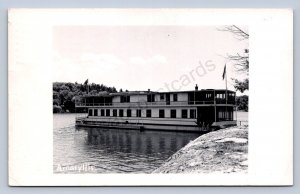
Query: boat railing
(157, 103)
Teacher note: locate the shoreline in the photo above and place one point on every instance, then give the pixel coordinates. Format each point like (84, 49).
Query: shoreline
(222, 151)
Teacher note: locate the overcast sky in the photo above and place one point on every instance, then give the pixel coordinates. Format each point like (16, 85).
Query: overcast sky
(141, 57)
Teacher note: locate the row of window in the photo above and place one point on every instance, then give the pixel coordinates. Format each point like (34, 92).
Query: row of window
(124, 99)
(150, 98)
(173, 113)
(225, 115)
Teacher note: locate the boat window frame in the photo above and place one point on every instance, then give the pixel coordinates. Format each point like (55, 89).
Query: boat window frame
(172, 115)
(192, 112)
(186, 115)
(138, 113)
(175, 99)
(150, 97)
(107, 111)
(147, 113)
(125, 99)
(128, 111)
(162, 97)
(121, 111)
(90, 112)
(161, 113)
(95, 112)
(102, 112)
(115, 112)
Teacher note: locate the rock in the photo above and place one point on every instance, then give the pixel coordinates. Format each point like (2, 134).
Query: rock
(223, 151)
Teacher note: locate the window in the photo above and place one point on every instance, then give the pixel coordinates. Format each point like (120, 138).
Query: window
(150, 98)
(115, 112)
(184, 113)
(173, 113)
(121, 113)
(148, 113)
(102, 112)
(192, 113)
(95, 112)
(90, 112)
(222, 115)
(124, 99)
(208, 96)
(107, 112)
(162, 96)
(138, 113)
(174, 97)
(161, 113)
(221, 96)
(168, 98)
(128, 112)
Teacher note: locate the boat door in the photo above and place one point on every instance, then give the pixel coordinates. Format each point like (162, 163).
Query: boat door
(168, 98)
(205, 115)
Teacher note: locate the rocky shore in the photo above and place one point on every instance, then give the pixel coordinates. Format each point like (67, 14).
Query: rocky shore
(222, 151)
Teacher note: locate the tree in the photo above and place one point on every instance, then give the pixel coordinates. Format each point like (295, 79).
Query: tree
(240, 60)
(242, 102)
(69, 106)
(241, 85)
(238, 32)
(56, 102)
(93, 92)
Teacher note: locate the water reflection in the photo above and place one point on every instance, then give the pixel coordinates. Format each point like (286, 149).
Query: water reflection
(148, 143)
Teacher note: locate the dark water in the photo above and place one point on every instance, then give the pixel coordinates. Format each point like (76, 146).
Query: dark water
(91, 150)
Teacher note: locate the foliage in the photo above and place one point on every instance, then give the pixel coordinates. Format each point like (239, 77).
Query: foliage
(241, 85)
(240, 60)
(242, 102)
(57, 109)
(65, 94)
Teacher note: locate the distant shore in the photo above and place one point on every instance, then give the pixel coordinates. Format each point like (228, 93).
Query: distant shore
(222, 151)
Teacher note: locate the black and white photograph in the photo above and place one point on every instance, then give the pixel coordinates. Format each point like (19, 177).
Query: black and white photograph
(150, 97)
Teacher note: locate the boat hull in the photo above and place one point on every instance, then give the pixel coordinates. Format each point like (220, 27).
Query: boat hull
(152, 124)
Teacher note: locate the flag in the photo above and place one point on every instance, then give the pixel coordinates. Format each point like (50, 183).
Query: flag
(87, 86)
(224, 72)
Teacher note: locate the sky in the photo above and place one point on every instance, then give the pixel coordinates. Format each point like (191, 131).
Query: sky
(159, 58)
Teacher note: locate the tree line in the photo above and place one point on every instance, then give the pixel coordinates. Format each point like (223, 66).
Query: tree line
(66, 94)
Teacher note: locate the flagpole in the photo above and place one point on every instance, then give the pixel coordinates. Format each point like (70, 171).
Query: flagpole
(226, 81)
(226, 91)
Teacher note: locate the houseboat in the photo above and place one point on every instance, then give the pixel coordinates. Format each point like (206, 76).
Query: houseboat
(193, 111)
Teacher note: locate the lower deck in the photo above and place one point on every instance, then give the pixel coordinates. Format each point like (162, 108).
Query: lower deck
(195, 119)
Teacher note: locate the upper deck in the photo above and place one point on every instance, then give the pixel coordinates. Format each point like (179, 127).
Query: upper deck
(206, 97)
